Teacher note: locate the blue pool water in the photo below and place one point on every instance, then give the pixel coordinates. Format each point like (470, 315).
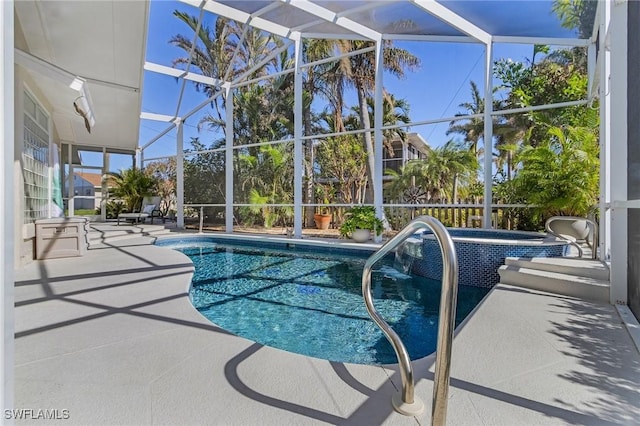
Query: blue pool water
(310, 302)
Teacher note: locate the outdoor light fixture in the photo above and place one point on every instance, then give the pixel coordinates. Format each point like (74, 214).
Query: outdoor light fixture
(82, 104)
(84, 110)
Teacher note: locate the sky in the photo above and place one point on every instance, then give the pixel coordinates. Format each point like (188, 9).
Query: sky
(433, 91)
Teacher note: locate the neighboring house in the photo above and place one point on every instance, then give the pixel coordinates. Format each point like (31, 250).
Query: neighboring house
(86, 185)
(414, 148)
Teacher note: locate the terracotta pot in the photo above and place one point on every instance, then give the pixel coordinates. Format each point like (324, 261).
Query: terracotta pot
(322, 220)
(361, 235)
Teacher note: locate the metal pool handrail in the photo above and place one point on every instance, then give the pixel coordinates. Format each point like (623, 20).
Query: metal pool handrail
(406, 403)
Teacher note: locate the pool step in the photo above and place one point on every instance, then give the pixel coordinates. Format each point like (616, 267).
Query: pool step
(563, 265)
(555, 282)
(105, 234)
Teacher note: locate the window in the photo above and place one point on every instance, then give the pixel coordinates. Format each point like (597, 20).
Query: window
(35, 160)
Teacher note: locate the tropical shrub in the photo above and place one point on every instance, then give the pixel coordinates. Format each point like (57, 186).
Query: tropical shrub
(342, 158)
(560, 175)
(164, 171)
(265, 178)
(131, 186)
(114, 208)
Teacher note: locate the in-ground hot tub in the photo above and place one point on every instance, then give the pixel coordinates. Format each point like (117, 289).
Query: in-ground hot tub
(481, 252)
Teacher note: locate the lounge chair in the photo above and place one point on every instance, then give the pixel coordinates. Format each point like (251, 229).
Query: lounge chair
(147, 211)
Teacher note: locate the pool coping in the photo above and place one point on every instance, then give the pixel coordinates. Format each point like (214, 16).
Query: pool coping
(541, 239)
(325, 242)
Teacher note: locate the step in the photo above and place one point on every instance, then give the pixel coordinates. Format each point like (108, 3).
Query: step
(553, 282)
(105, 237)
(563, 265)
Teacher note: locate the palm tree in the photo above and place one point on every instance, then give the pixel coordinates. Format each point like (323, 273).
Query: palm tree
(359, 72)
(457, 165)
(473, 128)
(131, 186)
(576, 15)
(394, 111)
(262, 111)
(325, 79)
(213, 53)
(508, 139)
(440, 173)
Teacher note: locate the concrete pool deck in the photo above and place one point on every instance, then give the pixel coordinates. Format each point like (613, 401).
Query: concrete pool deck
(112, 338)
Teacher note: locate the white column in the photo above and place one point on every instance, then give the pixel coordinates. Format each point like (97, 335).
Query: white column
(377, 134)
(104, 191)
(297, 142)
(228, 155)
(615, 119)
(605, 133)
(488, 135)
(179, 176)
(72, 183)
(7, 200)
(52, 146)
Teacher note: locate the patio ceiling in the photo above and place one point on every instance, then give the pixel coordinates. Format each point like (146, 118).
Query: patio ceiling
(477, 21)
(399, 19)
(102, 42)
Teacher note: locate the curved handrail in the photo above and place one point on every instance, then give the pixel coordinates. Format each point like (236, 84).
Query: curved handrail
(409, 404)
(591, 223)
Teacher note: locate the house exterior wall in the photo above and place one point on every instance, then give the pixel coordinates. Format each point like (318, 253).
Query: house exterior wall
(633, 157)
(24, 237)
(403, 152)
(7, 191)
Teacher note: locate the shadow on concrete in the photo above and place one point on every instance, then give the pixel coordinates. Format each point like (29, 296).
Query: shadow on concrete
(148, 273)
(611, 367)
(374, 411)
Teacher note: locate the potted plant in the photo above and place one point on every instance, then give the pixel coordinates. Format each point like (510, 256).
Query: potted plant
(359, 223)
(323, 218)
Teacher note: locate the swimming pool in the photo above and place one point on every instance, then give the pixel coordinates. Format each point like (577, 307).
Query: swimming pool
(308, 300)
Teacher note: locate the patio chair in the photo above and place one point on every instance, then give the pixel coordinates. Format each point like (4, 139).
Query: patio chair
(155, 201)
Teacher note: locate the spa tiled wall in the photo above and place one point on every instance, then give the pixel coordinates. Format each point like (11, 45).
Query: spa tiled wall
(478, 262)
